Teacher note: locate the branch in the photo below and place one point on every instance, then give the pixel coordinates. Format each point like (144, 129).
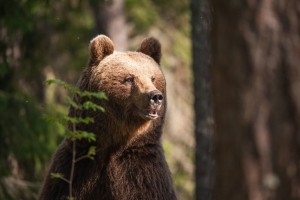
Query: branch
(81, 158)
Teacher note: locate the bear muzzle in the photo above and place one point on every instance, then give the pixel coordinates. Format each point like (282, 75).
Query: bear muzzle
(156, 99)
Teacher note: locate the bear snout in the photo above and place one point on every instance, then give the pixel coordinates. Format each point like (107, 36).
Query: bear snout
(155, 100)
(155, 97)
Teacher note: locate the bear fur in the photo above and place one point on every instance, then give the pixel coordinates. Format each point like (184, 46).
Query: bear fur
(129, 162)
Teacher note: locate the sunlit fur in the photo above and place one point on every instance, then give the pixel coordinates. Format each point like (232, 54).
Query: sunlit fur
(129, 164)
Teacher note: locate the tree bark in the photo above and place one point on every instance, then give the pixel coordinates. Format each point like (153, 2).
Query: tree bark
(256, 87)
(201, 28)
(110, 20)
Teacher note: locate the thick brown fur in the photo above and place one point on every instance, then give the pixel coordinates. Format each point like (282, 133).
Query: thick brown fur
(129, 163)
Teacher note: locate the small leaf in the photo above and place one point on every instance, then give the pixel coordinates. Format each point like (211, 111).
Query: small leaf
(67, 86)
(73, 103)
(87, 120)
(55, 81)
(92, 152)
(72, 120)
(91, 105)
(86, 135)
(79, 135)
(98, 95)
(56, 175)
(78, 120)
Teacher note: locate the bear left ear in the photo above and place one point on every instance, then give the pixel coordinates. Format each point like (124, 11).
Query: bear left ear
(151, 47)
(100, 47)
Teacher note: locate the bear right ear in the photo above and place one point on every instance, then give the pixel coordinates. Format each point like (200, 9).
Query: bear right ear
(100, 47)
(151, 47)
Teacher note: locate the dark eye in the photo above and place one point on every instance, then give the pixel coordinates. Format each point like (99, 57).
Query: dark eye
(152, 78)
(129, 79)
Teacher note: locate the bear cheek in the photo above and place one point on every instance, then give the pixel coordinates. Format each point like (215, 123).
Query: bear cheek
(140, 100)
(119, 94)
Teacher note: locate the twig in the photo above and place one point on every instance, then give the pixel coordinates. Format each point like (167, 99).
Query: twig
(81, 158)
(73, 165)
(64, 179)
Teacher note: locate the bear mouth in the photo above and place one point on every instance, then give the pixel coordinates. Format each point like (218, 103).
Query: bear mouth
(149, 114)
(152, 114)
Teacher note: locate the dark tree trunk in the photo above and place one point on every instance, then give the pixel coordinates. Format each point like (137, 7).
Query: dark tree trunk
(201, 27)
(111, 20)
(256, 84)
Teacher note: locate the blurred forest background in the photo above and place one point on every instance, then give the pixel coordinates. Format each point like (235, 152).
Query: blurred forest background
(46, 39)
(233, 80)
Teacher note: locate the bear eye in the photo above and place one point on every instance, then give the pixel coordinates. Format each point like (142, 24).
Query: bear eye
(129, 79)
(152, 78)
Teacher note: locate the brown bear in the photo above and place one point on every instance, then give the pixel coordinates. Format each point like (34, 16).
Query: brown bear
(129, 162)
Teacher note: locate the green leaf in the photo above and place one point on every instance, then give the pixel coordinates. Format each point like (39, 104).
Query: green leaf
(78, 135)
(51, 81)
(92, 152)
(78, 120)
(98, 95)
(56, 175)
(74, 90)
(91, 105)
(54, 119)
(72, 120)
(73, 103)
(67, 86)
(86, 120)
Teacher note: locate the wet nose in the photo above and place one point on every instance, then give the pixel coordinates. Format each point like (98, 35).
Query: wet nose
(156, 97)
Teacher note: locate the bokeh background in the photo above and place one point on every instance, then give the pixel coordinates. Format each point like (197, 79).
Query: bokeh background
(232, 130)
(43, 40)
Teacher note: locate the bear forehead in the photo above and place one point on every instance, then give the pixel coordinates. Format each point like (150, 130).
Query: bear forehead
(134, 63)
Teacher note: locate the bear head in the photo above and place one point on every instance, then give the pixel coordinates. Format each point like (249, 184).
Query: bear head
(132, 81)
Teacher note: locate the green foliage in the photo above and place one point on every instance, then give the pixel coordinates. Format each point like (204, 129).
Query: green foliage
(21, 14)
(146, 14)
(75, 90)
(72, 133)
(18, 133)
(77, 120)
(141, 18)
(78, 135)
(56, 175)
(35, 35)
(27, 142)
(92, 152)
(42, 35)
(182, 47)
(92, 106)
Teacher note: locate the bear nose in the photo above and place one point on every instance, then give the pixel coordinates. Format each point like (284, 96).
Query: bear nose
(156, 97)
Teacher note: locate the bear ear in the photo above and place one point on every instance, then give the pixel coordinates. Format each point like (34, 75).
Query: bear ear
(100, 47)
(151, 47)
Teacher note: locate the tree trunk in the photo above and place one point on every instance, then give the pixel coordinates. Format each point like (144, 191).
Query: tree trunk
(111, 20)
(256, 87)
(201, 27)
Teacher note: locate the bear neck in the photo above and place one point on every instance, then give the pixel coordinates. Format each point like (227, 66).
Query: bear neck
(125, 134)
(113, 135)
